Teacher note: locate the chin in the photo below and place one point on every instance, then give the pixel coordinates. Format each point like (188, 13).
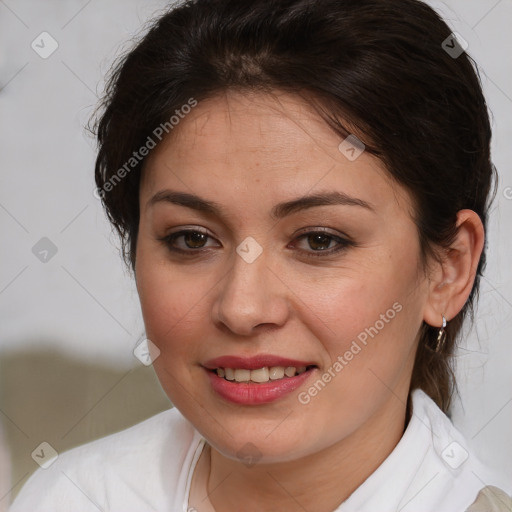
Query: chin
(258, 451)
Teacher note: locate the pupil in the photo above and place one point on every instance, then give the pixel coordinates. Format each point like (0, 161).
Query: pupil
(195, 239)
(319, 241)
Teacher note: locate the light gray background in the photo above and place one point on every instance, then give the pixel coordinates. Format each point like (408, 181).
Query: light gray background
(68, 326)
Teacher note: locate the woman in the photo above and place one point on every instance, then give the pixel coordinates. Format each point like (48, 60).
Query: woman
(302, 189)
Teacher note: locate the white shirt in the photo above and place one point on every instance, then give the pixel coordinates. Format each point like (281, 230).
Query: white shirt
(149, 467)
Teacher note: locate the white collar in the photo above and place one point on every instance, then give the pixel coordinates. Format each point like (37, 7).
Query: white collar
(431, 468)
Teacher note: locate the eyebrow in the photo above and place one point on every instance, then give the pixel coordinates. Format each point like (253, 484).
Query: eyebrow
(279, 211)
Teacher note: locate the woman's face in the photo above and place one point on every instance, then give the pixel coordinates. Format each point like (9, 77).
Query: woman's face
(277, 271)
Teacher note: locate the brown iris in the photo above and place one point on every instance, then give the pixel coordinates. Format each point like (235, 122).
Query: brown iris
(319, 241)
(195, 240)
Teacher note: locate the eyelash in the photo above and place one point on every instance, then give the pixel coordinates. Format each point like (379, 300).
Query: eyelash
(343, 243)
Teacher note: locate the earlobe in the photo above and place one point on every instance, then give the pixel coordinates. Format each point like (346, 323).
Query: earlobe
(452, 280)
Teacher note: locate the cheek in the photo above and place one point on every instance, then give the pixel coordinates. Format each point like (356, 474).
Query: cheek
(172, 303)
(174, 318)
(377, 307)
(365, 326)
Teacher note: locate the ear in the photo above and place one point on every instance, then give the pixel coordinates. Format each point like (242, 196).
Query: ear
(451, 280)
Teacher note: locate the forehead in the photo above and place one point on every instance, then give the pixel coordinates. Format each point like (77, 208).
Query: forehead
(271, 144)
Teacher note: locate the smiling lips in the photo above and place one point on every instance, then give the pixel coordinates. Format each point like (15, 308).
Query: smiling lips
(256, 380)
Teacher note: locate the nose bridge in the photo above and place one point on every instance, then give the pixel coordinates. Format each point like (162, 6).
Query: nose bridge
(249, 294)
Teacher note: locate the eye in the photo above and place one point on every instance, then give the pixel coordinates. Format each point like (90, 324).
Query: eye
(323, 243)
(192, 240)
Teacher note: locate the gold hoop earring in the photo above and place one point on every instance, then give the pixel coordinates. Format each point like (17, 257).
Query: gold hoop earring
(441, 337)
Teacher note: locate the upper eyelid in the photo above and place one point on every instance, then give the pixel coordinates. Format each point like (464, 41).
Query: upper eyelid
(303, 231)
(313, 228)
(320, 229)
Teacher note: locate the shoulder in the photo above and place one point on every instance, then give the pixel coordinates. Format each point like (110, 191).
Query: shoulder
(463, 474)
(432, 468)
(129, 470)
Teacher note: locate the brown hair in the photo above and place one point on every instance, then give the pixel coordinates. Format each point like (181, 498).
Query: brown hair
(379, 65)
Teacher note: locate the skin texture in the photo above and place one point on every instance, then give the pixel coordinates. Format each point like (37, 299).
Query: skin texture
(248, 152)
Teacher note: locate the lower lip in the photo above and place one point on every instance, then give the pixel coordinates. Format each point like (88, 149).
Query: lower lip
(253, 393)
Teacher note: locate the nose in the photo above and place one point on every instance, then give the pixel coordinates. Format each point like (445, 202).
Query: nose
(250, 296)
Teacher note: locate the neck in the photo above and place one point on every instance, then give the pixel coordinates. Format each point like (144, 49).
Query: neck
(319, 482)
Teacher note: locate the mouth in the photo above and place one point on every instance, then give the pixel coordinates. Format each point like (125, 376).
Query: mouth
(257, 380)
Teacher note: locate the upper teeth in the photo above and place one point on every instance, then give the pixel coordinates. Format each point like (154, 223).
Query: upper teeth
(261, 374)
